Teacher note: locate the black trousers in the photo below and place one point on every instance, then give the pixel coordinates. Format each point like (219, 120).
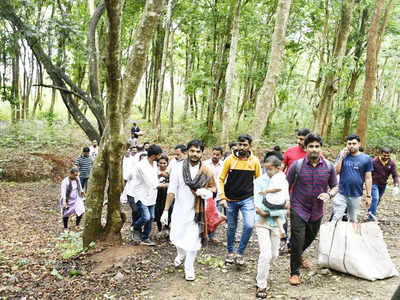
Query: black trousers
(302, 235)
(78, 221)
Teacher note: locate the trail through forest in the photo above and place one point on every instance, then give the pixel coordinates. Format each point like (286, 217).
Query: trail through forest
(32, 266)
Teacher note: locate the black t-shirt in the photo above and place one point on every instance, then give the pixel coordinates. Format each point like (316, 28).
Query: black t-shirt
(134, 130)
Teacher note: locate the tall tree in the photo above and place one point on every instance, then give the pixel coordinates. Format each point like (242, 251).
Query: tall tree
(229, 78)
(375, 34)
(323, 110)
(108, 161)
(160, 90)
(267, 92)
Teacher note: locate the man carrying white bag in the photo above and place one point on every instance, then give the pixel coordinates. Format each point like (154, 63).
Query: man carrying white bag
(350, 247)
(356, 249)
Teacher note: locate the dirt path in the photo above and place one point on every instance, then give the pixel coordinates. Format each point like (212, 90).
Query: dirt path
(231, 283)
(31, 264)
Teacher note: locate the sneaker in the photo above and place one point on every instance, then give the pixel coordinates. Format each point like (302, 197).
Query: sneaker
(148, 242)
(284, 249)
(230, 259)
(239, 260)
(190, 277)
(136, 236)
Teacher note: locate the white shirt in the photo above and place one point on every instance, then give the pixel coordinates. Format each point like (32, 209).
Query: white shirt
(185, 231)
(126, 165)
(216, 170)
(172, 163)
(278, 181)
(93, 151)
(145, 182)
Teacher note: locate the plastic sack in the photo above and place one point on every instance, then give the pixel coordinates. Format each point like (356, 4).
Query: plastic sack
(356, 249)
(213, 216)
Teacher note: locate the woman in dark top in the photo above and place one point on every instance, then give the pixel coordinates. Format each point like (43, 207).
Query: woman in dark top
(162, 194)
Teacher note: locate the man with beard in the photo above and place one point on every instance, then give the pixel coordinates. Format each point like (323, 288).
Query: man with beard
(188, 180)
(291, 155)
(236, 194)
(295, 152)
(145, 192)
(309, 181)
(354, 168)
(383, 167)
(179, 155)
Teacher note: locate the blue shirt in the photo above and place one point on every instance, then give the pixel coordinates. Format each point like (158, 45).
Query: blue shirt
(352, 174)
(261, 184)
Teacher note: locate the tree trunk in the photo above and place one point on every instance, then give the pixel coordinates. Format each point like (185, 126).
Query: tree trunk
(218, 70)
(53, 101)
(119, 107)
(392, 94)
(188, 65)
(38, 97)
(15, 114)
(171, 75)
(160, 90)
(266, 96)
(331, 78)
(230, 72)
(93, 46)
(373, 46)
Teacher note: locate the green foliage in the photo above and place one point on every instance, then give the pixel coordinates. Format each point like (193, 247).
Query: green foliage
(56, 274)
(384, 129)
(34, 135)
(211, 261)
(70, 243)
(49, 117)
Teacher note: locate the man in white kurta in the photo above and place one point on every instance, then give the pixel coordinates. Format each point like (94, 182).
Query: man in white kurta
(185, 232)
(145, 192)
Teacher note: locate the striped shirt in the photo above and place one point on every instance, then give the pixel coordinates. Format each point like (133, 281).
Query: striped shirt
(84, 165)
(311, 182)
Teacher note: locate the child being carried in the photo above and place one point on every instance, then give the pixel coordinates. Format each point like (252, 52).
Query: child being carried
(277, 193)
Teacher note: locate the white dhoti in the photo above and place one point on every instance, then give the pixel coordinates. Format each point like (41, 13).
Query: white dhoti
(184, 232)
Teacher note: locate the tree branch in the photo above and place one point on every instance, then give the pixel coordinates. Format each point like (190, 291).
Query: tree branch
(59, 88)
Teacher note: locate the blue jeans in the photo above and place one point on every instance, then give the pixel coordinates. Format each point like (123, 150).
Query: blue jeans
(146, 219)
(84, 183)
(213, 234)
(341, 203)
(376, 193)
(246, 206)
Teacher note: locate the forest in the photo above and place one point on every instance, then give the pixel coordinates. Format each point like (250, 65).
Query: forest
(207, 69)
(228, 66)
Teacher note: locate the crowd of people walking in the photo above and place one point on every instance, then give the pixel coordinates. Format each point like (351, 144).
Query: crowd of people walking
(267, 194)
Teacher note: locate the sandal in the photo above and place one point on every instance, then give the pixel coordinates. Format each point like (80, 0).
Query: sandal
(261, 293)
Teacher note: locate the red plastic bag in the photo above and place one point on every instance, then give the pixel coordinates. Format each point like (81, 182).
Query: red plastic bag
(213, 216)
